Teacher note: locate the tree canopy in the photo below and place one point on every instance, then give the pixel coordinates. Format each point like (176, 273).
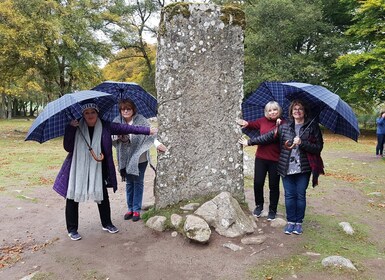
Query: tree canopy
(52, 47)
(362, 70)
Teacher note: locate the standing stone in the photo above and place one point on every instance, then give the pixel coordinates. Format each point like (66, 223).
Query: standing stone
(199, 80)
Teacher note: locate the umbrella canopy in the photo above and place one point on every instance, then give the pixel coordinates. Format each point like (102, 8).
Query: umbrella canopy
(254, 106)
(146, 104)
(332, 112)
(52, 121)
(327, 107)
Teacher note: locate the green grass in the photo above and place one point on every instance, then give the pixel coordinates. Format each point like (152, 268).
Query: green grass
(332, 242)
(26, 164)
(350, 167)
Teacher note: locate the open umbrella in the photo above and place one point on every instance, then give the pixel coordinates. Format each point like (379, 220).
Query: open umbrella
(52, 121)
(326, 107)
(254, 106)
(146, 104)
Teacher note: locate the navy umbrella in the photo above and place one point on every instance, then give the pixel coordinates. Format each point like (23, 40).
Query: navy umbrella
(332, 112)
(254, 106)
(52, 121)
(146, 104)
(326, 107)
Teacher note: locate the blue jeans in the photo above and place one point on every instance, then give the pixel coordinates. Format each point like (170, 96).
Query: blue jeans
(295, 196)
(134, 189)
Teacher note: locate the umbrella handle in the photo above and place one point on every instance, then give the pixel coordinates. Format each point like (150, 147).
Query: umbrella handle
(289, 147)
(95, 156)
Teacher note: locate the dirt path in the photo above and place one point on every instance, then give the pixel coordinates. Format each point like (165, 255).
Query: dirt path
(34, 240)
(36, 233)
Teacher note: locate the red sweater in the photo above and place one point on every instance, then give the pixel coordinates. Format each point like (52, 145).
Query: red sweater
(269, 151)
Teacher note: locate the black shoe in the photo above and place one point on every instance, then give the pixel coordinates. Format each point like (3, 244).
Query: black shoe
(128, 215)
(258, 211)
(271, 216)
(136, 217)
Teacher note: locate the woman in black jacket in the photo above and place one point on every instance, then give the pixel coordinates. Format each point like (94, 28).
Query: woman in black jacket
(301, 143)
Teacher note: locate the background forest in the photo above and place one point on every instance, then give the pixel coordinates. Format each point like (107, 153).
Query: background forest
(52, 47)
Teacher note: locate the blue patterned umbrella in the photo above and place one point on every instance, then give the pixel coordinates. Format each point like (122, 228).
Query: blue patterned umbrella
(332, 112)
(254, 106)
(327, 107)
(146, 104)
(52, 121)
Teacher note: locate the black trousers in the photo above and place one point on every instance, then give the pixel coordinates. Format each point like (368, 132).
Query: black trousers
(72, 212)
(380, 144)
(263, 167)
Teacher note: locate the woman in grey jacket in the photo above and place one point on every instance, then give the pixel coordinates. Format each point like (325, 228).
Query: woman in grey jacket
(301, 143)
(133, 157)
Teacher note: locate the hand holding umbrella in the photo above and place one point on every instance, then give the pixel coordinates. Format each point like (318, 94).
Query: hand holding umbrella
(75, 123)
(296, 142)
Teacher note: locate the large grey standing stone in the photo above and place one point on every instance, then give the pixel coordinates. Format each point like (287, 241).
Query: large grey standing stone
(199, 81)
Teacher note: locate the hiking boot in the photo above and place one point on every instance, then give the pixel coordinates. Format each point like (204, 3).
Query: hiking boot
(111, 229)
(271, 215)
(289, 228)
(128, 215)
(258, 211)
(74, 236)
(136, 217)
(298, 229)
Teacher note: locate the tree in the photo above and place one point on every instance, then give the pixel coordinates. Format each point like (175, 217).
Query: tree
(129, 22)
(361, 72)
(132, 69)
(57, 38)
(20, 48)
(290, 40)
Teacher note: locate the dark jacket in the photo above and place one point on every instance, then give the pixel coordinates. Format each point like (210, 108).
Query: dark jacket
(311, 138)
(61, 182)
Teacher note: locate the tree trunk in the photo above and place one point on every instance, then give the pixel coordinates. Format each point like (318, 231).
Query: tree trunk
(3, 112)
(9, 108)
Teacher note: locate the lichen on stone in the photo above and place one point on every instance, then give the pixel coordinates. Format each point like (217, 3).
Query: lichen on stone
(177, 9)
(170, 11)
(233, 15)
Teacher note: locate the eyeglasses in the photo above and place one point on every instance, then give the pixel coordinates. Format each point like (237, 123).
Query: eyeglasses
(297, 109)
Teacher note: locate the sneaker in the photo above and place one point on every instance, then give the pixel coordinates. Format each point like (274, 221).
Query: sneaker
(289, 228)
(136, 217)
(258, 211)
(74, 236)
(271, 216)
(298, 229)
(111, 229)
(128, 215)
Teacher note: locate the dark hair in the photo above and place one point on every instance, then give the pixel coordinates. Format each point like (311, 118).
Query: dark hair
(382, 112)
(298, 102)
(127, 103)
